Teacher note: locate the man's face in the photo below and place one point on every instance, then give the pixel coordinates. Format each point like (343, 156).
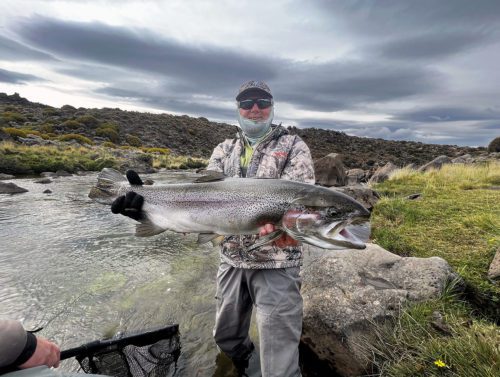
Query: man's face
(255, 113)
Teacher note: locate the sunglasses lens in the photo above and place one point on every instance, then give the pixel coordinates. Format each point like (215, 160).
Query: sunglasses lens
(246, 104)
(263, 103)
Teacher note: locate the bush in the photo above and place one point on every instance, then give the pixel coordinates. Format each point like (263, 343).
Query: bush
(11, 116)
(88, 120)
(68, 108)
(109, 144)
(164, 151)
(494, 146)
(134, 141)
(50, 111)
(112, 126)
(47, 128)
(15, 132)
(192, 164)
(108, 133)
(72, 124)
(78, 138)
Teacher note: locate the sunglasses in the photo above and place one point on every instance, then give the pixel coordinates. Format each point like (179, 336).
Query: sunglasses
(262, 103)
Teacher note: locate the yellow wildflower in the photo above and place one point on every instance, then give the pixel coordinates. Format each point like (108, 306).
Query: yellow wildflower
(440, 364)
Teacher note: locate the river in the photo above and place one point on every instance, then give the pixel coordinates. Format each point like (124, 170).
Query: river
(69, 265)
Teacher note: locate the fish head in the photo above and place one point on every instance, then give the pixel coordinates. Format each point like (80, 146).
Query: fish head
(345, 225)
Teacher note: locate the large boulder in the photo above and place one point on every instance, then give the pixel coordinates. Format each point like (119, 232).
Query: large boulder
(464, 159)
(494, 270)
(346, 291)
(355, 176)
(330, 171)
(435, 164)
(11, 188)
(382, 173)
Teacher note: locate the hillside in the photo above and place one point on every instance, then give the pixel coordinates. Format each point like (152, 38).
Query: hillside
(197, 137)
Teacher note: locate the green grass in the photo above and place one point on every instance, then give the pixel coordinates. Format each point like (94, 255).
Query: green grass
(457, 218)
(411, 346)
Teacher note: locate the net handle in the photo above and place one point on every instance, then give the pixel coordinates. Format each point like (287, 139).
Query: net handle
(140, 339)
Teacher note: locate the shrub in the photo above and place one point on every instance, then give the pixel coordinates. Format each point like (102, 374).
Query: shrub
(192, 164)
(109, 144)
(494, 146)
(78, 138)
(134, 141)
(15, 132)
(164, 151)
(50, 111)
(88, 120)
(72, 124)
(11, 116)
(108, 133)
(68, 108)
(112, 126)
(47, 128)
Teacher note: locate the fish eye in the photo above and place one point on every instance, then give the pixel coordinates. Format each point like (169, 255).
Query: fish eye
(331, 212)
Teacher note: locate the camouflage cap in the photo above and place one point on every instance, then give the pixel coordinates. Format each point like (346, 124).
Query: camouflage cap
(250, 86)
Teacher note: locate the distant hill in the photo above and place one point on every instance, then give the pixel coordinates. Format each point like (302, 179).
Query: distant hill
(197, 137)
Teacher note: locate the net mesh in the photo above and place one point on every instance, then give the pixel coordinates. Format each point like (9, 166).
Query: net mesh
(152, 360)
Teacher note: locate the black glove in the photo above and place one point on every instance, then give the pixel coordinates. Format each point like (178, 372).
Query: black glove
(129, 205)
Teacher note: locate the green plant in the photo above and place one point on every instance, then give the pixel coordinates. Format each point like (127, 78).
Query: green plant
(109, 144)
(108, 133)
(51, 111)
(163, 151)
(15, 132)
(133, 140)
(72, 124)
(47, 128)
(88, 120)
(10, 116)
(78, 138)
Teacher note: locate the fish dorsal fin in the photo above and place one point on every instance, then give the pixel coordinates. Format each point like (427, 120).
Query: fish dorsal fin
(133, 178)
(216, 239)
(147, 229)
(210, 176)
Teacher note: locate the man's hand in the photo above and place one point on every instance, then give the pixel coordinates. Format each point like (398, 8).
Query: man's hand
(129, 205)
(46, 353)
(282, 242)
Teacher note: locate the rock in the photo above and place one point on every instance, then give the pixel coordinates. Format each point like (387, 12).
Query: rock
(363, 194)
(47, 191)
(494, 270)
(416, 196)
(148, 181)
(6, 176)
(43, 181)
(48, 174)
(11, 188)
(465, 159)
(435, 164)
(355, 176)
(382, 174)
(330, 171)
(346, 291)
(63, 173)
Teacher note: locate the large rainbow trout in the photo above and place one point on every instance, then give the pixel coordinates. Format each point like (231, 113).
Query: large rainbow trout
(230, 206)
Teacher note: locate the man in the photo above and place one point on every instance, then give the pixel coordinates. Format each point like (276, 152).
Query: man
(266, 277)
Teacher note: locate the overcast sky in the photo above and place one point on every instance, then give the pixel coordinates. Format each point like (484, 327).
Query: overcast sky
(406, 70)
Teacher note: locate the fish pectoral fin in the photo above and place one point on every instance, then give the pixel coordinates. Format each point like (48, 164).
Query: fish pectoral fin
(147, 229)
(209, 176)
(264, 240)
(216, 239)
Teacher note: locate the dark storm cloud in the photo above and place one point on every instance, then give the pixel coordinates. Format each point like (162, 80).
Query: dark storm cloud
(15, 51)
(173, 103)
(448, 114)
(16, 77)
(212, 69)
(432, 46)
(218, 72)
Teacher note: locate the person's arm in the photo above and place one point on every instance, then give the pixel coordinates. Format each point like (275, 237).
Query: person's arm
(22, 349)
(216, 160)
(299, 167)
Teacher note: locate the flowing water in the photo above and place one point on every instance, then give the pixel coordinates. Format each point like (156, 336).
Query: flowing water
(69, 265)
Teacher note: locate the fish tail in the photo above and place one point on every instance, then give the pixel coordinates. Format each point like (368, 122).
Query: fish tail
(108, 184)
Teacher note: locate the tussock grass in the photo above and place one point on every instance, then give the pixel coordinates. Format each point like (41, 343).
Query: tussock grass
(457, 218)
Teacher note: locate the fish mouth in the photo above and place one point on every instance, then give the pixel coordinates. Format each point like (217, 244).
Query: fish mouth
(352, 233)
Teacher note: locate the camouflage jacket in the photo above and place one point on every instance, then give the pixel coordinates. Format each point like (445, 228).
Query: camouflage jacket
(278, 155)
